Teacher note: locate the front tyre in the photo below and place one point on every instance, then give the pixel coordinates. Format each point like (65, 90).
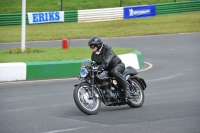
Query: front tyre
(136, 101)
(83, 102)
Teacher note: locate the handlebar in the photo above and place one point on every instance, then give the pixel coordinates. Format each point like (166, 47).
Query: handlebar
(98, 77)
(95, 68)
(93, 63)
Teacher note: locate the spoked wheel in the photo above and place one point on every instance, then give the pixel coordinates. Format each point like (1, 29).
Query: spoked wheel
(83, 101)
(137, 97)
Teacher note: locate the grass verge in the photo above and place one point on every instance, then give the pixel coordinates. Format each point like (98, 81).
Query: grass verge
(55, 54)
(14, 6)
(165, 24)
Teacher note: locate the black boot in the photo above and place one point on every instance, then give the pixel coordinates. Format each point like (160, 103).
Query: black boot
(127, 94)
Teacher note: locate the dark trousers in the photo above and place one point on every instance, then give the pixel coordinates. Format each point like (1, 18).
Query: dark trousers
(116, 72)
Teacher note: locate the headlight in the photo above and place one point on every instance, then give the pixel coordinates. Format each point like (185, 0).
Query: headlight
(83, 72)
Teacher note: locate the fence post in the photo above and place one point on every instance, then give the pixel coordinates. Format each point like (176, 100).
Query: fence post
(120, 3)
(23, 31)
(61, 4)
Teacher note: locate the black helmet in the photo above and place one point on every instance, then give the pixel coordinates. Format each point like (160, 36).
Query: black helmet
(95, 41)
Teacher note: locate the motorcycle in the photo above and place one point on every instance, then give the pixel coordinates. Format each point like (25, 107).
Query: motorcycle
(96, 87)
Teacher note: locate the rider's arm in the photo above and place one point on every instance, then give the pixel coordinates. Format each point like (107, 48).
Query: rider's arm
(109, 56)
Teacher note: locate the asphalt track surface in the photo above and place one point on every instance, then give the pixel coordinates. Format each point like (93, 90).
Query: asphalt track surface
(172, 98)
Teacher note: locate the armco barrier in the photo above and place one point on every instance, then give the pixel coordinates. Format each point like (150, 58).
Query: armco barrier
(11, 19)
(16, 18)
(177, 7)
(55, 69)
(96, 15)
(71, 16)
(106, 14)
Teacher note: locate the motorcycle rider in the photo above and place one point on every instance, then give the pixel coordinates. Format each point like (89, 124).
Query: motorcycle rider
(104, 56)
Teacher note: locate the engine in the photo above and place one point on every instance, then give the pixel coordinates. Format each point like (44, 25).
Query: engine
(108, 91)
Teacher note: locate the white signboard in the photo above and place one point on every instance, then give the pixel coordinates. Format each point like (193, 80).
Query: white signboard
(45, 17)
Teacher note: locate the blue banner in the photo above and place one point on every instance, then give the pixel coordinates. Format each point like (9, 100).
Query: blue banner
(139, 11)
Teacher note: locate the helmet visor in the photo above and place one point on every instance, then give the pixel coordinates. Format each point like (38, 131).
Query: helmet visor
(92, 46)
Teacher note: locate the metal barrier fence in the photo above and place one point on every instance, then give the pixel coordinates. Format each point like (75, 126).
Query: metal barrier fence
(177, 7)
(72, 16)
(11, 19)
(16, 18)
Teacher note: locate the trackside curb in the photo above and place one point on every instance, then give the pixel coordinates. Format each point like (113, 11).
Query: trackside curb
(55, 69)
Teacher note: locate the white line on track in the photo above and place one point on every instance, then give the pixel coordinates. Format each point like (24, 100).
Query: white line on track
(65, 130)
(10, 99)
(165, 78)
(149, 67)
(31, 108)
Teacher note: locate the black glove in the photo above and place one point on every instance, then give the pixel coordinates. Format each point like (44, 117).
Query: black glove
(101, 67)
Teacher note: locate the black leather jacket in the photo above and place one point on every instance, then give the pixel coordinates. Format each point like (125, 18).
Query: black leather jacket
(106, 57)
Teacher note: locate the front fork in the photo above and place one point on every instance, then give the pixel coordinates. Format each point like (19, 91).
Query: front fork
(92, 85)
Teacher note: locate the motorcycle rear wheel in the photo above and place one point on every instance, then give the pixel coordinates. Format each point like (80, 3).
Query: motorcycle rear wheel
(81, 98)
(137, 101)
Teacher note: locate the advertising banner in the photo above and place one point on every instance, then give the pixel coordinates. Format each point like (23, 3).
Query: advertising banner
(45, 17)
(139, 11)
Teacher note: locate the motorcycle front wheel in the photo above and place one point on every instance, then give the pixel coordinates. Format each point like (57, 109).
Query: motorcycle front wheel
(87, 105)
(137, 101)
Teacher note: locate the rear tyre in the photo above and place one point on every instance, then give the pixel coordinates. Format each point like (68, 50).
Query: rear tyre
(136, 101)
